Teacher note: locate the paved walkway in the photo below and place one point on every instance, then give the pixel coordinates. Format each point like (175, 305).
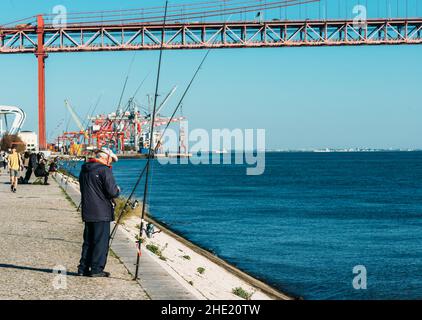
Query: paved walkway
(158, 282)
(40, 230)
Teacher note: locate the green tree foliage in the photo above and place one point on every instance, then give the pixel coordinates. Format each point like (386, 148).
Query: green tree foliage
(8, 140)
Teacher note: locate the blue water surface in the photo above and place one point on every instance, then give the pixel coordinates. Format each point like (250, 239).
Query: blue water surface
(305, 223)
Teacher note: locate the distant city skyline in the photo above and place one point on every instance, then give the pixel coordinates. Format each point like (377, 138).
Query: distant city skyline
(305, 98)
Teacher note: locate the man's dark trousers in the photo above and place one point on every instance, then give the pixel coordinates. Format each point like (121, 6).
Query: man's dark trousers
(95, 247)
(28, 174)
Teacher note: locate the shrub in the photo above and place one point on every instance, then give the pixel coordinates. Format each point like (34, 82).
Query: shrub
(186, 257)
(157, 251)
(240, 292)
(200, 270)
(129, 212)
(154, 249)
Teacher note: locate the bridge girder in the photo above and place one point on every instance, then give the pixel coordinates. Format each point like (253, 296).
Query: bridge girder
(76, 38)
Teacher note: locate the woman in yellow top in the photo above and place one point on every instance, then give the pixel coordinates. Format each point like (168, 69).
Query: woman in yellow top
(15, 165)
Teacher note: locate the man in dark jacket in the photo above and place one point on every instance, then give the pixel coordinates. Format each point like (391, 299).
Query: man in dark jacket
(98, 189)
(32, 165)
(41, 170)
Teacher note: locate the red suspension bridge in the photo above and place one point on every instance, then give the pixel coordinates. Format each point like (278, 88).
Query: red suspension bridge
(143, 29)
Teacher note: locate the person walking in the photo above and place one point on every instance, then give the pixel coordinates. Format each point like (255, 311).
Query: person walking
(15, 165)
(1, 160)
(53, 167)
(5, 156)
(98, 191)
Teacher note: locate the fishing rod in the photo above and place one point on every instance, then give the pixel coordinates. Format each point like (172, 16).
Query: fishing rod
(122, 94)
(91, 113)
(118, 107)
(140, 86)
(129, 199)
(125, 84)
(121, 119)
(72, 166)
(157, 85)
(183, 96)
(127, 106)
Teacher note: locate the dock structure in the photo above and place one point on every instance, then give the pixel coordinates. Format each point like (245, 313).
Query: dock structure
(41, 236)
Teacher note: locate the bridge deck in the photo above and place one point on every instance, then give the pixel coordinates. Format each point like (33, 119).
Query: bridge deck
(196, 35)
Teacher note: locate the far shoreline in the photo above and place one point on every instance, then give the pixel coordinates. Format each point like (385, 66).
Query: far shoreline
(139, 156)
(142, 157)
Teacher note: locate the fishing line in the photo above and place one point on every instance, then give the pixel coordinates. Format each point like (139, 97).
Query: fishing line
(126, 80)
(146, 169)
(127, 107)
(140, 86)
(128, 104)
(90, 113)
(185, 93)
(118, 107)
(151, 139)
(128, 201)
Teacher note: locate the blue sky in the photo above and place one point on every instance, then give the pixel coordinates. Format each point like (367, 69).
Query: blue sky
(303, 97)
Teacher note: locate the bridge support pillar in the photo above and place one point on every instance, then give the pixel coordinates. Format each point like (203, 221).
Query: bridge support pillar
(41, 56)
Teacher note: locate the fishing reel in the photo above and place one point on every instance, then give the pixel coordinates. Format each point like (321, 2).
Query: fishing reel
(150, 230)
(134, 204)
(131, 204)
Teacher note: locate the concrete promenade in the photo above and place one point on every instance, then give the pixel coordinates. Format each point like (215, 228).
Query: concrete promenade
(41, 231)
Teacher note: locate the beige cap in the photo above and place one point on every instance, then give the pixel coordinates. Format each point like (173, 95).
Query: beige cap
(108, 152)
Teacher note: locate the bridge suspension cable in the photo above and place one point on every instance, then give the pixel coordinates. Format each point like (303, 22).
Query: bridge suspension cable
(207, 9)
(232, 7)
(28, 20)
(179, 12)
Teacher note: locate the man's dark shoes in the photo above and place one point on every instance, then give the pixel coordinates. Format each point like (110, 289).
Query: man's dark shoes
(102, 274)
(84, 273)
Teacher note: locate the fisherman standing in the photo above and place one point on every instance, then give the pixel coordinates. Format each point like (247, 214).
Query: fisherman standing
(5, 157)
(98, 190)
(32, 165)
